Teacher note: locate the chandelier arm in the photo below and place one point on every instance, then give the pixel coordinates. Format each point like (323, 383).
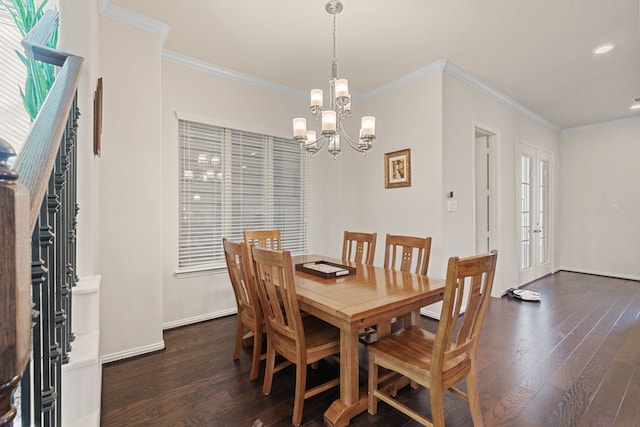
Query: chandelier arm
(352, 142)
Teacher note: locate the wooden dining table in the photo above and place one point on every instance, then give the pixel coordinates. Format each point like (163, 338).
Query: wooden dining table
(370, 297)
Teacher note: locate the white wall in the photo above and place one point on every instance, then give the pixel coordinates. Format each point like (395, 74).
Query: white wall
(408, 117)
(599, 169)
(131, 191)
(464, 108)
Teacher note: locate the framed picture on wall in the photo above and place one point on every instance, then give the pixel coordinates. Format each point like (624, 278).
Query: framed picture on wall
(397, 169)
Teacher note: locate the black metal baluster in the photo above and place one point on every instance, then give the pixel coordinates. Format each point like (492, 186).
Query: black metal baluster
(38, 280)
(47, 390)
(56, 190)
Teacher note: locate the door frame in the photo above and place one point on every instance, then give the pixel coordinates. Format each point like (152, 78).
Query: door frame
(536, 271)
(494, 184)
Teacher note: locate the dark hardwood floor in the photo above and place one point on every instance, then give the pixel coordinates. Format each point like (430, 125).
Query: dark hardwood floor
(571, 360)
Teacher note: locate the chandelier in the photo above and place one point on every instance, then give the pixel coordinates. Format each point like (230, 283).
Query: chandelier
(334, 116)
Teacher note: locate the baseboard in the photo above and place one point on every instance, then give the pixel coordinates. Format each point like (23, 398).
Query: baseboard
(601, 273)
(430, 312)
(160, 346)
(197, 319)
(139, 351)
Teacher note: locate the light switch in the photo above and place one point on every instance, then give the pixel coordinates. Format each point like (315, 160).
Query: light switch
(452, 205)
(615, 207)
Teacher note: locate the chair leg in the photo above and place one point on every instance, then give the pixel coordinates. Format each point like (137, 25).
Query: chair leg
(298, 400)
(437, 406)
(268, 374)
(257, 350)
(474, 398)
(239, 333)
(373, 385)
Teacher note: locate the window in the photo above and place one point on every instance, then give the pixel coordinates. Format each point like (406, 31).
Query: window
(231, 181)
(15, 123)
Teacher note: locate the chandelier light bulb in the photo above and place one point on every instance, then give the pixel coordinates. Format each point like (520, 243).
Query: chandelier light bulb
(368, 126)
(311, 137)
(299, 127)
(342, 88)
(328, 121)
(316, 98)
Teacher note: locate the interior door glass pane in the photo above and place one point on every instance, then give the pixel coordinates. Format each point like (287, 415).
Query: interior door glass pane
(525, 212)
(525, 255)
(543, 211)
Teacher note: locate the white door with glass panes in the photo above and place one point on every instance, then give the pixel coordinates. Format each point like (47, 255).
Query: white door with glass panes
(535, 228)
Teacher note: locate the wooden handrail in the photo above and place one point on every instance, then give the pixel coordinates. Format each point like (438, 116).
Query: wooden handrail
(22, 190)
(35, 162)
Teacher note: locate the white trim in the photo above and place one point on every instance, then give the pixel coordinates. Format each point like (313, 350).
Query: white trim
(509, 102)
(138, 351)
(599, 273)
(601, 125)
(135, 19)
(433, 314)
(198, 319)
(227, 73)
(140, 21)
(87, 285)
(421, 73)
(184, 273)
(215, 121)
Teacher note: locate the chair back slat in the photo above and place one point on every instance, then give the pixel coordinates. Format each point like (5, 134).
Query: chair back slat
(277, 294)
(469, 279)
(239, 266)
(359, 248)
(407, 253)
(269, 239)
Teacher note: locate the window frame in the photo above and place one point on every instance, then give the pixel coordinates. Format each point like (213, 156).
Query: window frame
(294, 185)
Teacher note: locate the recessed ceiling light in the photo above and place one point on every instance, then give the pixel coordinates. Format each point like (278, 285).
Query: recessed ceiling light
(636, 104)
(604, 48)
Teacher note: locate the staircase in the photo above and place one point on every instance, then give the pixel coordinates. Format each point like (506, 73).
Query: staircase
(82, 376)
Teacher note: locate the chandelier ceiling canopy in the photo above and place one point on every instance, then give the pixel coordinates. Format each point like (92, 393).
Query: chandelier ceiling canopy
(335, 113)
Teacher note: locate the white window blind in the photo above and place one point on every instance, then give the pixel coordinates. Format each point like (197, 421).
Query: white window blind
(231, 181)
(15, 123)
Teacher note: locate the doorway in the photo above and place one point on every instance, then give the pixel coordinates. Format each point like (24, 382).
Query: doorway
(534, 184)
(484, 191)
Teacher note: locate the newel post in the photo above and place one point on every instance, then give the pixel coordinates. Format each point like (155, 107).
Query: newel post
(15, 281)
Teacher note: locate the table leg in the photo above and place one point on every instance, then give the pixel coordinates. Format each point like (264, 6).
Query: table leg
(351, 401)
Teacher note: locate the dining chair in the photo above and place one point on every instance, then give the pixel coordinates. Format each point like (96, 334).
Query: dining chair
(359, 247)
(269, 239)
(301, 340)
(439, 361)
(249, 312)
(404, 252)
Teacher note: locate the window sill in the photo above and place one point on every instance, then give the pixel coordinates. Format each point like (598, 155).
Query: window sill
(184, 273)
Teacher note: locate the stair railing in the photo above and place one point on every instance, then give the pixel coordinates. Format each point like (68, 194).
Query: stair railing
(38, 216)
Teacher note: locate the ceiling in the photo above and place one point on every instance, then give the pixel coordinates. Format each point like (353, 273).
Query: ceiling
(537, 52)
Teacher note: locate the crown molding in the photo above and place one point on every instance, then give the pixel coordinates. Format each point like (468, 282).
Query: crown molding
(135, 19)
(414, 76)
(595, 126)
(123, 15)
(226, 73)
(509, 102)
